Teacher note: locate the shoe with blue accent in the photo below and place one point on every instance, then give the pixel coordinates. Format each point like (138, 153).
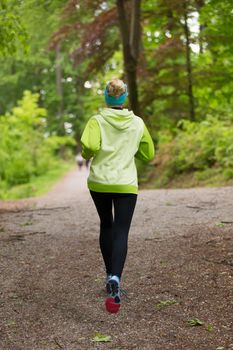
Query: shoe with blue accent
(113, 301)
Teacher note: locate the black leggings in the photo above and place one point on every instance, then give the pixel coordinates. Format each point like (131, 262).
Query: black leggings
(114, 231)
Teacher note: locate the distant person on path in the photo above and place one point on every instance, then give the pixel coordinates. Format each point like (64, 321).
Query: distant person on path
(87, 162)
(114, 138)
(79, 160)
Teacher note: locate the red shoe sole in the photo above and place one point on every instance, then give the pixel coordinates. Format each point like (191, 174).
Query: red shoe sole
(111, 306)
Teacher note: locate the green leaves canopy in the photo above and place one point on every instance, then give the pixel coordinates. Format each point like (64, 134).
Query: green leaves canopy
(12, 32)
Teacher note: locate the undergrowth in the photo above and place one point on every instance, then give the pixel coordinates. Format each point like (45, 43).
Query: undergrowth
(200, 154)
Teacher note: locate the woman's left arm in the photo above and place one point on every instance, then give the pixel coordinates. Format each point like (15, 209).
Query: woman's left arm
(146, 151)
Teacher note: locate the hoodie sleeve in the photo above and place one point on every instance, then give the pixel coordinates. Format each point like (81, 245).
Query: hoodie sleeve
(90, 139)
(146, 150)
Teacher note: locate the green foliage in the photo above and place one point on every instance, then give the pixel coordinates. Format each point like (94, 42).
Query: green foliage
(210, 327)
(165, 303)
(88, 34)
(201, 145)
(12, 31)
(99, 337)
(38, 185)
(195, 322)
(200, 154)
(36, 71)
(25, 149)
(22, 135)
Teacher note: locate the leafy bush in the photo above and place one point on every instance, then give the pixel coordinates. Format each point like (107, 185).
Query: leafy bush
(198, 146)
(19, 169)
(201, 153)
(26, 150)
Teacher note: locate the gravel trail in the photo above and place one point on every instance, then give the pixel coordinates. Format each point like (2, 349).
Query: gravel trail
(51, 272)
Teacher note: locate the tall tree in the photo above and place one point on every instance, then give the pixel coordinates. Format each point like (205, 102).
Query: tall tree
(163, 76)
(130, 36)
(94, 46)
(59, 88)
(188, 64)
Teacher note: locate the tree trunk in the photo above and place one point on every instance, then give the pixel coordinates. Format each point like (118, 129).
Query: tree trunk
(59, 88)
(189, 66)
(135, 29)
(130, 41)
(171, 27)
(199, 5)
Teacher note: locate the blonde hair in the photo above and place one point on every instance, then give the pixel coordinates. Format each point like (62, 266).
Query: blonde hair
(116, 87)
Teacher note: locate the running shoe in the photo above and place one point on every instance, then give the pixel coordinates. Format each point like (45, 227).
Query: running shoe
(113, 301)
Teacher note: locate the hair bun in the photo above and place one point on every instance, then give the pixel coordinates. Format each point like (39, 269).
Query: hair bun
(116, 87)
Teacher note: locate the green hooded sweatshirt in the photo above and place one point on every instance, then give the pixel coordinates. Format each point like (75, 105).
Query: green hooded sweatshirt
(113, 138)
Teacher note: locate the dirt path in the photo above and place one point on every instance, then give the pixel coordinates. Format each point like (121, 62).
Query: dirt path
(180, 249)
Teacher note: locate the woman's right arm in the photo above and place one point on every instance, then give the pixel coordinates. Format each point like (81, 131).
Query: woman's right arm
(91, 139)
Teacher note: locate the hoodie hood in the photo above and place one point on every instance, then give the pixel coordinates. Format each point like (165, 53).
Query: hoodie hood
(118, 118)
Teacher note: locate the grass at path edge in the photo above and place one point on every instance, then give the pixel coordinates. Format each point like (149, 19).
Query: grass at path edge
(38, 185)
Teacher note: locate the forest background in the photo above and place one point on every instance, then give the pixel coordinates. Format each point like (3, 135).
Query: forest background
(56, 56)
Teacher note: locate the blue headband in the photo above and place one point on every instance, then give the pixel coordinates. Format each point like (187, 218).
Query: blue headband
(115, 100)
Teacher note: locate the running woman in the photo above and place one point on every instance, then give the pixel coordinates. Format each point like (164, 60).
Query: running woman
(114, 138)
